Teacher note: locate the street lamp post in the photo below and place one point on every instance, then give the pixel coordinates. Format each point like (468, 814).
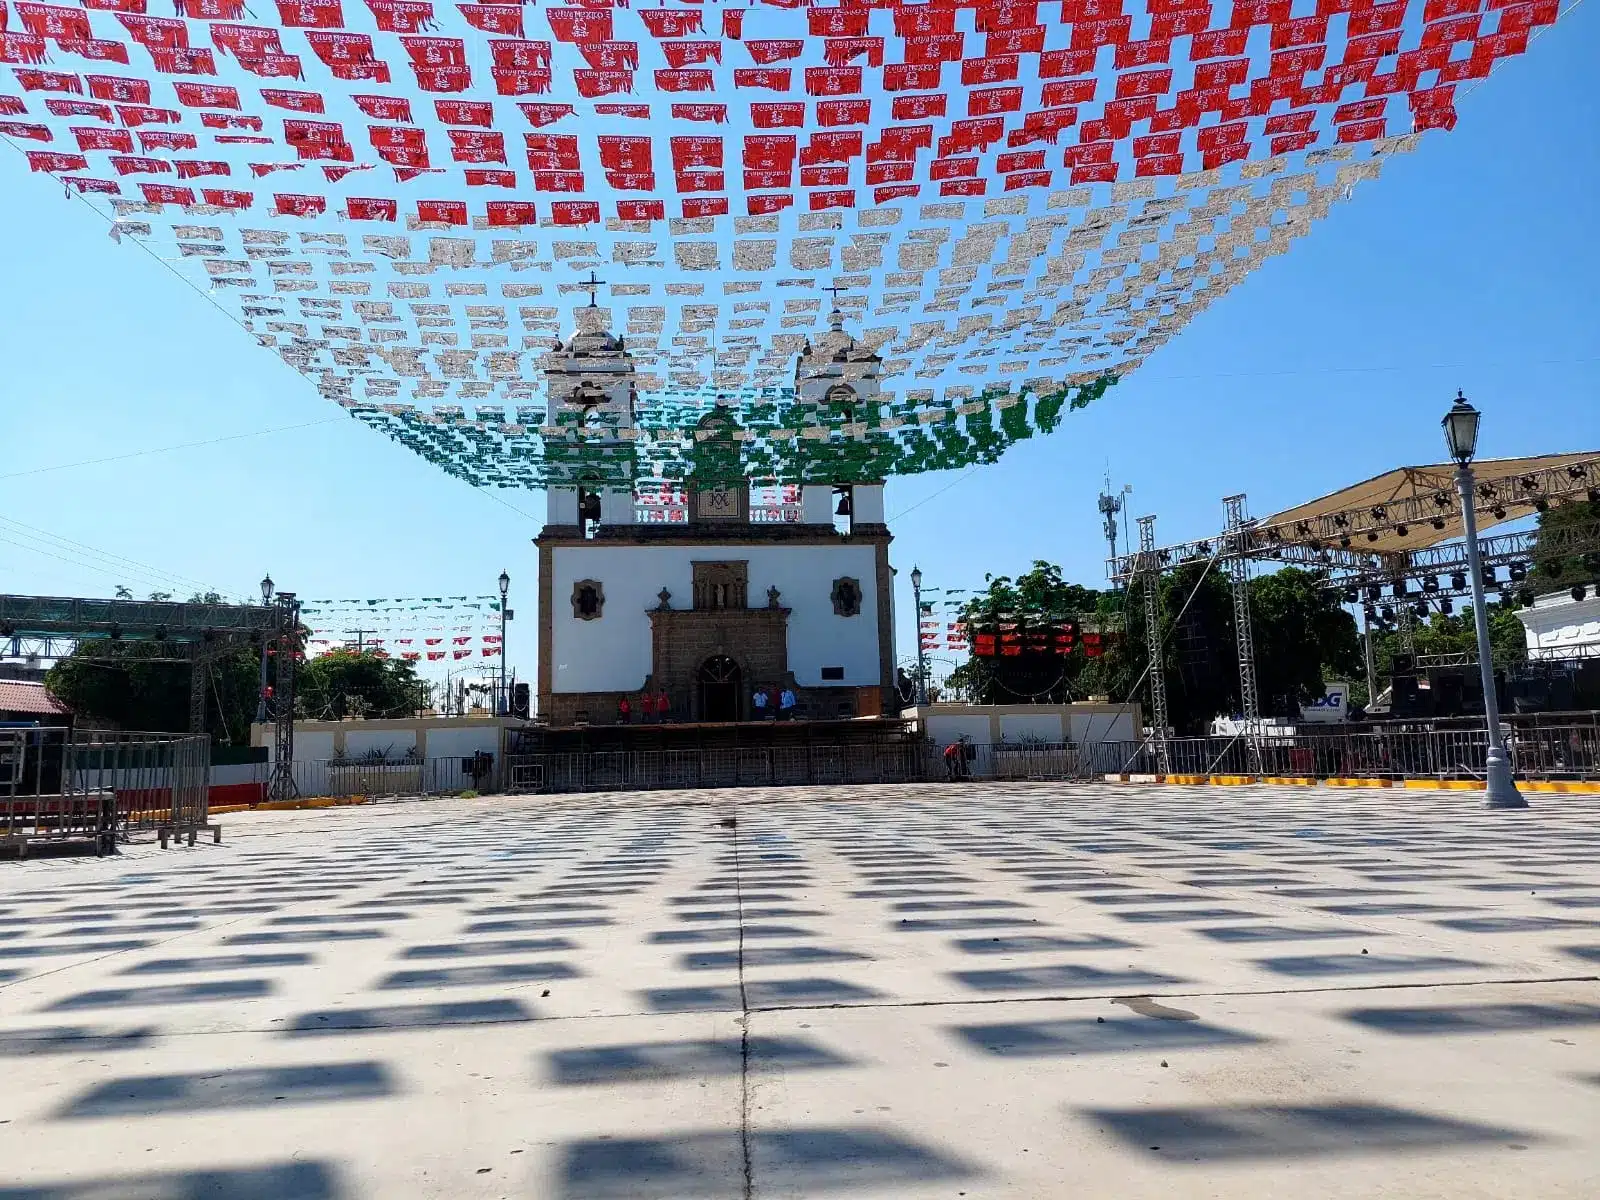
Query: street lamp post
(261, 692)
(504, 706)
(922, 662)
(1460, 426)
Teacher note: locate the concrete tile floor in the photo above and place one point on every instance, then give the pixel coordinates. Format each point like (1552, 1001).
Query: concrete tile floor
(898, 992)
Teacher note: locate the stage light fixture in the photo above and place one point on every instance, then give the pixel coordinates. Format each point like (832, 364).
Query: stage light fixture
(1302, 529)
(1507, 599)
(1341, 520)
(1499, 513)
(1370, 613)
(1344, 543)
(1437, 522)
(1447, 606)
(1379, 512)
(1529, 483)
(1374, 592)
(1430, 584)
(1578, 593)
(1401, 530)
(1458, 581)
(1574, 471)
(1388, 613)
(1592, 495)
(1351, 596)
(1399, 587)
(1205, 548)
(1444, 500)
(1518, 572)
(1419, 609)
(1488, 573)
(1541, 505)
(1372, 535)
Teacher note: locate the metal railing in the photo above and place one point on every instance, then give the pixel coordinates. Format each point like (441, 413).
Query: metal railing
(1545, 752)
(161, 781)
(712, 767)
(1553, 752)
(60, 785)
(339, 779)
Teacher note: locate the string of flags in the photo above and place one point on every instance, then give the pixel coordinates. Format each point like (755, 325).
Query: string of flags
(419, 629)
(1013, 202)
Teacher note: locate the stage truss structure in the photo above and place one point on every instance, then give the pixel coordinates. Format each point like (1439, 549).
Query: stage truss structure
(192, 632)
(1421, 560)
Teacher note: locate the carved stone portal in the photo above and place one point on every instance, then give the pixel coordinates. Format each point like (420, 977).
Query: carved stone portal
(721, 585)
(588, 599)
(847, 597)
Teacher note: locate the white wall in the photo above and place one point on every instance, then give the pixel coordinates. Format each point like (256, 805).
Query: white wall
(816, 503)
(867, 503)
(1016, 727)
(561, 503)
(1102, 727)
(459, 742)
(1560, 627)
(613, 653)
(357, 742)
(311, 747)
(944, 729)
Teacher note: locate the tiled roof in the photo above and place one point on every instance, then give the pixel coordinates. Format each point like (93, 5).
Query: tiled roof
(21, 696)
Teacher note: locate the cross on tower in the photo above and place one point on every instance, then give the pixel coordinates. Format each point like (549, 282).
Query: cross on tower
(592, 284)
(835, 291)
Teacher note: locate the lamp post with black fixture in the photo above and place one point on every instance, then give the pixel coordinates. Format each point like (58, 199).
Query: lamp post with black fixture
(1460, 426)
(261, 692)
(504, 706)
(922, 664)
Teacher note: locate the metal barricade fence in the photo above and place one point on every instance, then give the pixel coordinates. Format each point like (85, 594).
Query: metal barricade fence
(160, 782)
(717, 767)
(1561, 752)
(36, 801)
(1565, 752)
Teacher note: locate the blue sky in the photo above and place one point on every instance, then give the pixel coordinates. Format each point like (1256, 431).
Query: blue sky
(1471, 263)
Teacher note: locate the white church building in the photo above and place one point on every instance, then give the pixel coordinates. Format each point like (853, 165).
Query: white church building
(713, 607)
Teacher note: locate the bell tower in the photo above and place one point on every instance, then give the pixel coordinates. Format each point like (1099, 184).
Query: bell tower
(843, 377)
(591, 397)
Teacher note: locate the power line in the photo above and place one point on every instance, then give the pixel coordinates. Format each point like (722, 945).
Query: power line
(231, 437)
(92, 558)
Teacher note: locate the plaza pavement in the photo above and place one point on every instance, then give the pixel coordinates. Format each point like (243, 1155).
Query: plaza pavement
(1031, 990)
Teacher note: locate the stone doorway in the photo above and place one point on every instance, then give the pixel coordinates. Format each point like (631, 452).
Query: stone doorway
(720, 684)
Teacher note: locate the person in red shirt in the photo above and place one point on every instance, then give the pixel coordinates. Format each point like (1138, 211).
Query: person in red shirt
(624, 711)
(663, 706)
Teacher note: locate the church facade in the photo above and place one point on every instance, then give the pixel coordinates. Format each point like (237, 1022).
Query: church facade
(709, 609)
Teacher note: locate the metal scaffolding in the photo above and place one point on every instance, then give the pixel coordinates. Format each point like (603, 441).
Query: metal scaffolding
(139, 630)
(1149, 573)
(1243, 632)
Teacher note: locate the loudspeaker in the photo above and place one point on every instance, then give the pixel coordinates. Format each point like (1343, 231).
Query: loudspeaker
(520, 701)
(1407, 700)
(1404, 664)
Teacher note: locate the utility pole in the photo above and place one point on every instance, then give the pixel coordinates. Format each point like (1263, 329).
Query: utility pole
(360, 636)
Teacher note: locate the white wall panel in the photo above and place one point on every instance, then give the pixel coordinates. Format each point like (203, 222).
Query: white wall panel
(613, 653)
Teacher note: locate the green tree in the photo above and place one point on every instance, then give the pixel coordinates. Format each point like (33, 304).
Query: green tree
(344, 683)
(1303, 640)
(1553, 564)
(113, 684)
(1456, 633)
